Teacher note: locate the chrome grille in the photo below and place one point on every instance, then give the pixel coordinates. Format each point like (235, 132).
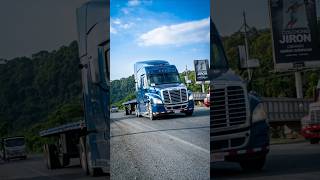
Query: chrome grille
(175, 96)
(228, 107)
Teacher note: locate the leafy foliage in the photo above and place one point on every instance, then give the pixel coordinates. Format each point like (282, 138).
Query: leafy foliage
(38, 92)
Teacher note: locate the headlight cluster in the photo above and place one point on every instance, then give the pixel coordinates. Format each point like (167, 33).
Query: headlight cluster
(190, 97)
(157, 101)
(259, 113)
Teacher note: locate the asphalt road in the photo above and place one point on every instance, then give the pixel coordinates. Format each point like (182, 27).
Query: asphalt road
(33, 168)
(175, 147)
(285, 161)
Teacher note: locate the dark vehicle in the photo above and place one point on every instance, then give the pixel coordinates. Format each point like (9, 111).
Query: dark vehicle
(13, 147)
(159, 90)
(88, 140)
(239, 131)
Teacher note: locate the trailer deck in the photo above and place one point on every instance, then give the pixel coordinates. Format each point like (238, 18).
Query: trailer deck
(75, 126)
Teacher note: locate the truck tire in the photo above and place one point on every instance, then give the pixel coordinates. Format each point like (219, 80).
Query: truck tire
(64, 160)
(189, 113)
(314, 141)
(83, 155)
(253, 164)
(51, 156)
(151, 117)
(91, 170)
(137, 111)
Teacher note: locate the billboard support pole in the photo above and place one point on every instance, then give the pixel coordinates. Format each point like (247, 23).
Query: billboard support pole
(202, 87)
(298, 79)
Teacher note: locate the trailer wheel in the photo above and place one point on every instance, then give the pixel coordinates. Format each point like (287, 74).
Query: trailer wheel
(64, 160)
(83, 155)
(314, 141)
(253, 164)
(51, 156)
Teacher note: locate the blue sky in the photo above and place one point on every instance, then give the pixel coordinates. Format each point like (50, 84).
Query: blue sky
(173, 30)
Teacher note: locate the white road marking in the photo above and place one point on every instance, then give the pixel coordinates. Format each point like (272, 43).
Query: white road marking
(138, 125)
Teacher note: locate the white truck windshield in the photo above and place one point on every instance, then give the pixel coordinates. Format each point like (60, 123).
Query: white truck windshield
(165, 78)
(14, 142)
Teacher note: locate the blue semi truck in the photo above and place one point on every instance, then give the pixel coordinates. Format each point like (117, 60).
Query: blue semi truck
(159, 90)
(239, 131)
(88, 139)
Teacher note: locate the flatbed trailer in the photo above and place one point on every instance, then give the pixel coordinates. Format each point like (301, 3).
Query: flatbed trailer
(130, 106)
(65, 144)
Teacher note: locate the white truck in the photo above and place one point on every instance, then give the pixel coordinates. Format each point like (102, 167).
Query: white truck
(13, 147)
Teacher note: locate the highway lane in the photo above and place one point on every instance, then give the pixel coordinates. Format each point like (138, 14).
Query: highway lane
(175, 147)
(285, 161)
(34, 168)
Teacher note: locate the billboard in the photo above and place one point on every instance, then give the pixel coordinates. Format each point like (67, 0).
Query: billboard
(295, 33)
(201, 68)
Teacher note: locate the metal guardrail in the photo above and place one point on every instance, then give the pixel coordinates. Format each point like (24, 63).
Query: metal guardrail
(286, 109)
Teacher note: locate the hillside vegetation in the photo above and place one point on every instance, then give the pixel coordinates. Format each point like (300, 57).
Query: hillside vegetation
(45, 90)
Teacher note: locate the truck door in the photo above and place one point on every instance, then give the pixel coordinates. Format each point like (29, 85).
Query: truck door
(141, 94)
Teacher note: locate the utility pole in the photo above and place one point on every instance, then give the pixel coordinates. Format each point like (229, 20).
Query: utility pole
(245, 26)
(186, 78)
(298, 79)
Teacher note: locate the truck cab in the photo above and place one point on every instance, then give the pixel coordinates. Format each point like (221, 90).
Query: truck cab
(239, 131)
(94, 53)
(13, 147)
(159, 90)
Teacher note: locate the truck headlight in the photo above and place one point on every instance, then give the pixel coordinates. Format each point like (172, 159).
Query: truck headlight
(259, 113)
(190, 97)
(157, 101)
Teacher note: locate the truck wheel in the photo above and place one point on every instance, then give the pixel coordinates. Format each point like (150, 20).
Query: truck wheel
(189, 113)
(151, 117)
(93, 171)
(137, 111)
(83, 155)
(51, 156)
(314, 141)
(64, 160)
(253, 164)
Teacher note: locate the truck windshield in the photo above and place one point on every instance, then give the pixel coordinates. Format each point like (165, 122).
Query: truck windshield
(218, 57)
(14, 142)
(165, 78)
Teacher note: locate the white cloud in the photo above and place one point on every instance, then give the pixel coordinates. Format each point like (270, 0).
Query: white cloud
(116, 21)
(113, 30)
(119, 24)
(178, 34)
(134, 3)
(127, 25)
(125, 10)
